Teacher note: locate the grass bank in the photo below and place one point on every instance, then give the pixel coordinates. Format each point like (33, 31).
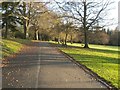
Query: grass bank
(101, 59)
(10, 46)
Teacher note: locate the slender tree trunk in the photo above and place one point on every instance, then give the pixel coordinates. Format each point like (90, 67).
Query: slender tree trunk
(28, 21)
(58, 39)
(84, 25)
(25, 20)
(35, 38)
(6, 30)
(71, 41)
(66, 39)
(86, 39)
(25, 29)
(38, 35)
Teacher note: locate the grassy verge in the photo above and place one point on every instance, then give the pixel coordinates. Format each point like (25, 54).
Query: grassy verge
(10, 46)
(101, 59)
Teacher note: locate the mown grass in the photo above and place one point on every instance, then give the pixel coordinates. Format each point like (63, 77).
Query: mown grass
(10, 46)
(101, 59)
(102, 47)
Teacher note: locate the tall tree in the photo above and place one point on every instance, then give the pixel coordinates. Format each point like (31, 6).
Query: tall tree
(86, 12)
(23, 13)
(8, 17)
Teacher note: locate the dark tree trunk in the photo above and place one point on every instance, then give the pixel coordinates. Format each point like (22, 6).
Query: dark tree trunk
(25, 29)
(85, 28)
(24, 21)
(38, 35)
(66, 39)
(6, 30)
(35, 35)
(85, 39)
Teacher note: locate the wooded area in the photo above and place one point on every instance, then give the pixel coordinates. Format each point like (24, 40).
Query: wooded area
(62, 22)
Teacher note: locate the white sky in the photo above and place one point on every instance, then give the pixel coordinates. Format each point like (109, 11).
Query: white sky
(112, 13)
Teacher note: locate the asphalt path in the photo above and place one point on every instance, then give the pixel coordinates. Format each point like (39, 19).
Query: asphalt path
(39, 65)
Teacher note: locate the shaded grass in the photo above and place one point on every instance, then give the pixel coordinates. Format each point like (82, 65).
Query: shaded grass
(10, 46)
(103, 60)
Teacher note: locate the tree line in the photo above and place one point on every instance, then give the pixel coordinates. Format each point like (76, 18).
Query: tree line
(67, 22)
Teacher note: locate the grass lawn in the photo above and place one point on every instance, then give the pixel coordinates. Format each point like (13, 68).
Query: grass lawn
(10, 46)
(102, 47)
(101, 59)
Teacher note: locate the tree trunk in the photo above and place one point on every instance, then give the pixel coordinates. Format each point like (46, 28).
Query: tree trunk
(58, 39)
(85, 39)
(6, 30)
(24, 20)
(84, 25)
(35, 36)
(71, 41)
(25, 29)
(28, 21)
(38, 35)
(66, 39)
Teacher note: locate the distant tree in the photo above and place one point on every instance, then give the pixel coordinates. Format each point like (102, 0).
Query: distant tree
(47, 23)
(108, 31)
(115, 37)
(73, 34)
(102, 38)
(67, 27)
(57, 30)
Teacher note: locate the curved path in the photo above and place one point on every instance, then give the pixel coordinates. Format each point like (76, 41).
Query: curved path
(41, 66)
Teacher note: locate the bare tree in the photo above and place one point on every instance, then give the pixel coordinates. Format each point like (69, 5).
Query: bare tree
(86, 13)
